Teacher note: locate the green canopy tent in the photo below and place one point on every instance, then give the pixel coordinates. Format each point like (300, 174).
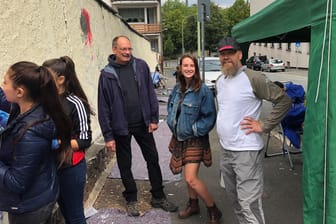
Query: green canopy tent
(307, 21)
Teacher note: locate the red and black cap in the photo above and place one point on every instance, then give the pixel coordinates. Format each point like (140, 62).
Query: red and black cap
(228, 43)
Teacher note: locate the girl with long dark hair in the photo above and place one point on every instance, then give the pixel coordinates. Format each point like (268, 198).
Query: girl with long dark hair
(28, 183)
(72, 177)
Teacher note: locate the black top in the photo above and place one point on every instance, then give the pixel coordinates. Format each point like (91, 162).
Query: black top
(130, 92)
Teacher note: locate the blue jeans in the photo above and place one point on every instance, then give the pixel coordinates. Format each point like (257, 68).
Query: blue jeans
(72, 182)
(150, 154)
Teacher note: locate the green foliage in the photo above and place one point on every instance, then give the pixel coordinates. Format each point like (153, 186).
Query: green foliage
(175, 12)
(190, 33)
(168, 47)
(216, 27)
(239, 11)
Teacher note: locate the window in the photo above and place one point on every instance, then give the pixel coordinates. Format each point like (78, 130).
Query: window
(151, 16)
(139, 15)
(154, 45)
(276, 61)
(133, 15)
(211, 65)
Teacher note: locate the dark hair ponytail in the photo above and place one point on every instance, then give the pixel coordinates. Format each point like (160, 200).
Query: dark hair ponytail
(54, 108)
(66, 67)
(42, 89)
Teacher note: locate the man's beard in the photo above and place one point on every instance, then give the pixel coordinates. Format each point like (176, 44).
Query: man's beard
(229, 70)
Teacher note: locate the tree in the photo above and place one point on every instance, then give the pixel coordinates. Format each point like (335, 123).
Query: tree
(174, 13)
(190, 33)
(216, 27)
(239, 11)
(168, 47)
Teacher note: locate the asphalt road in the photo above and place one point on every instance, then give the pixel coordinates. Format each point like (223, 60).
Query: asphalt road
(282, 199)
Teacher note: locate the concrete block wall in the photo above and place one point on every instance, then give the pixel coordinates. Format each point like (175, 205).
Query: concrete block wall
(37, 30)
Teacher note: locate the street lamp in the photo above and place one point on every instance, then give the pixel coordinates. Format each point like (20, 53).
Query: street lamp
(182, 32)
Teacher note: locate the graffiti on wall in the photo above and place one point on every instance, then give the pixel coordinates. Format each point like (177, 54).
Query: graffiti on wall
(85, 26)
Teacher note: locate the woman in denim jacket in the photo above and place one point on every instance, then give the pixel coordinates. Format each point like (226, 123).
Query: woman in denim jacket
(191, 116)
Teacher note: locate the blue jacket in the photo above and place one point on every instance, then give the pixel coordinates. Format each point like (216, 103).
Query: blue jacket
(197, 116)
(156, 77)
(111, 109)
(4, 110)
(27, 166)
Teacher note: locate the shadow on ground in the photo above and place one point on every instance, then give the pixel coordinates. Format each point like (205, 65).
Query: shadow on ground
(281, 201)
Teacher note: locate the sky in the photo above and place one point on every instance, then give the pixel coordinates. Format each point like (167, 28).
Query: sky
(221, 3)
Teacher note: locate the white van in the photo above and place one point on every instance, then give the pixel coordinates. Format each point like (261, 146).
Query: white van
(212, 69)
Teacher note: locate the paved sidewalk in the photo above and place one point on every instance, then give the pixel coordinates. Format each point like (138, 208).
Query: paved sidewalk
(282, 193)
(282, 196)
(282, 200)
(3, 218)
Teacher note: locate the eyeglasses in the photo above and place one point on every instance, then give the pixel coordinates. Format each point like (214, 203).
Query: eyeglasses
(125, 49)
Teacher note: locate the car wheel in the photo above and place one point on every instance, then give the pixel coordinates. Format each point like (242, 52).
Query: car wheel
(283, 70)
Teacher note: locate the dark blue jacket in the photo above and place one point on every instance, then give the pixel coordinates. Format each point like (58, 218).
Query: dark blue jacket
(27, 166)
(111, 107)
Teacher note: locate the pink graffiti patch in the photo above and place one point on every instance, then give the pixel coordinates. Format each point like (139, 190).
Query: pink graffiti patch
(85, 26)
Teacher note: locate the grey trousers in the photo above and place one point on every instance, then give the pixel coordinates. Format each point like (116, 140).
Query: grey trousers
(243, 178)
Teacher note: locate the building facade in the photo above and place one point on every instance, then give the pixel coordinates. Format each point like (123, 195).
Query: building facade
(295, 55)
(143, 16)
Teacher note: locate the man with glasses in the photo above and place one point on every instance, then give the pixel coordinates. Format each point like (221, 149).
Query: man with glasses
(240, 92)
(128, 106)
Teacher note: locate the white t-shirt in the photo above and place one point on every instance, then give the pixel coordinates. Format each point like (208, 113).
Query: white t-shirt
(236, 100)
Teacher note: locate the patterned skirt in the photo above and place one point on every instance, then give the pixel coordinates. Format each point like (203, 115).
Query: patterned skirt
(194, 150)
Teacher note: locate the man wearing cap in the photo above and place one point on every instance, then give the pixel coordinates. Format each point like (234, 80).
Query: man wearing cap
(240, 92)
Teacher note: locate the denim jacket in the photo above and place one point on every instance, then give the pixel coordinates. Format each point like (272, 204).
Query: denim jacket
(197, 116)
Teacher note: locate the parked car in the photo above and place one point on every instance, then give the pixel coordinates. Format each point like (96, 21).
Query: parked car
(254, 63)
(273, 64)
(212, 69)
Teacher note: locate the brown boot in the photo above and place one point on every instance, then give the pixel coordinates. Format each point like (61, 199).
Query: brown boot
(191, 209)
(214, 215)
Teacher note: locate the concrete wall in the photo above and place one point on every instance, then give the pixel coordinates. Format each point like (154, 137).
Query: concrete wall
(257, 5)
(297, 57)
(37, 30)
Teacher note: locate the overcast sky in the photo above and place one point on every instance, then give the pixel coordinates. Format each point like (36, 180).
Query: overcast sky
(221, 3)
